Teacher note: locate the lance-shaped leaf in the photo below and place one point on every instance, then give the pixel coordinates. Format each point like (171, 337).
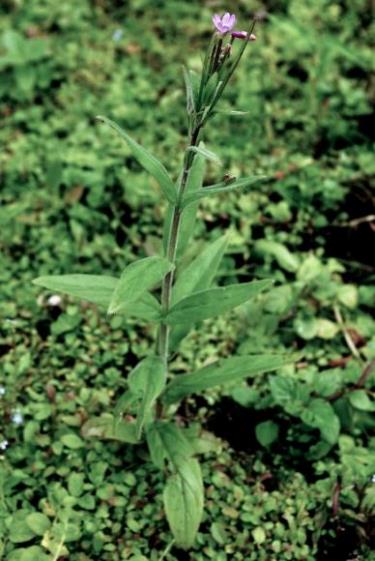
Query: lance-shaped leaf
(223, 187)
(166, 441)
(147, 381)
(93, 288)
(136, 279)
(99, 290)
(213, 302)
(189, 215)
(183, 494)
(199, 274)
(207, 154)
(183, 502)
(146, 308)
(190, 93)
(223, 371)
(147, 161)
(124, 403)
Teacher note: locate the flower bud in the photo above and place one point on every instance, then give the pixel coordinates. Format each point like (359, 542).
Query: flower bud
(243, 35)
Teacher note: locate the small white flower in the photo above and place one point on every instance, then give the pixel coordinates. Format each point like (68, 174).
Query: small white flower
(373, 478)
(54, 300)
(2, 391)
(17, 418)
(4, 445)
(117, 35)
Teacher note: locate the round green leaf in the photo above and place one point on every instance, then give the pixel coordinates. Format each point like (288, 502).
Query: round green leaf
(38, 523)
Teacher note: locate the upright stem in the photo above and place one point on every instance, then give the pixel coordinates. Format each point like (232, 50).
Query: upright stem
(172, 243)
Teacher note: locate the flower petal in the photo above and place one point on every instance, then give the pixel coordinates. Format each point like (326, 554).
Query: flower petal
(232, 21)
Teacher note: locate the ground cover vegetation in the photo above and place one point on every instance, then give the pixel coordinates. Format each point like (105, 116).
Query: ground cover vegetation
(287, 457)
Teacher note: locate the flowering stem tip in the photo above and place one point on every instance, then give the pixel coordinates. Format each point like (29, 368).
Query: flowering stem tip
(225, 23)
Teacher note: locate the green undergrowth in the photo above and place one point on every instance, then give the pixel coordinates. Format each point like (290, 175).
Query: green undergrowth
(289, 473)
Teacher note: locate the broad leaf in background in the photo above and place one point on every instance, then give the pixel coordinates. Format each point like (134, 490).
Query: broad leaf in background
(222, 371)
(137, 279)
(221, 188)
(213, 302)
(267, 432)
(147, 161)
(360, 400)
(320, 415)
(283, 256)
(107, 427)
(93, 288)
(146, 382)
(183, 502)
(290, 394)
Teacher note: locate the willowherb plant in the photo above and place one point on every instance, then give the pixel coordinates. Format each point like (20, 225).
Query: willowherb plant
(146, 410)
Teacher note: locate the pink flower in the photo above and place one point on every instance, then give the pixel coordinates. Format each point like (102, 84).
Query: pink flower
(225, 23)
(242, 35)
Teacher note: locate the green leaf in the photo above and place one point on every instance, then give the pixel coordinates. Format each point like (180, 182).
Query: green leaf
(266, 433)
(347, 294)
(183, 502)
(190, 96)
(75, 484)
(147, 381)
(232, 112)
(283, 256)
(166, 441)
(72, 441)
(321, 415)
(107, 427)
(326, 329)
(189, 215)
(259, 535)
(19, 531)
(155, 445)
(99, 290)
(37, 522)
(291, 394)
(283, 389)
(222, 371)
(199, 274)
(93, 288)
(124, 403)
(146, 308)
(137, 279)
(213, 302)
(361, 401)
(221, 188)
(147, 161)
(207, 154)
(33, 553)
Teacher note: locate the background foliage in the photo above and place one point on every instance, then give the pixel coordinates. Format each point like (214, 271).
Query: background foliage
(292, 477)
